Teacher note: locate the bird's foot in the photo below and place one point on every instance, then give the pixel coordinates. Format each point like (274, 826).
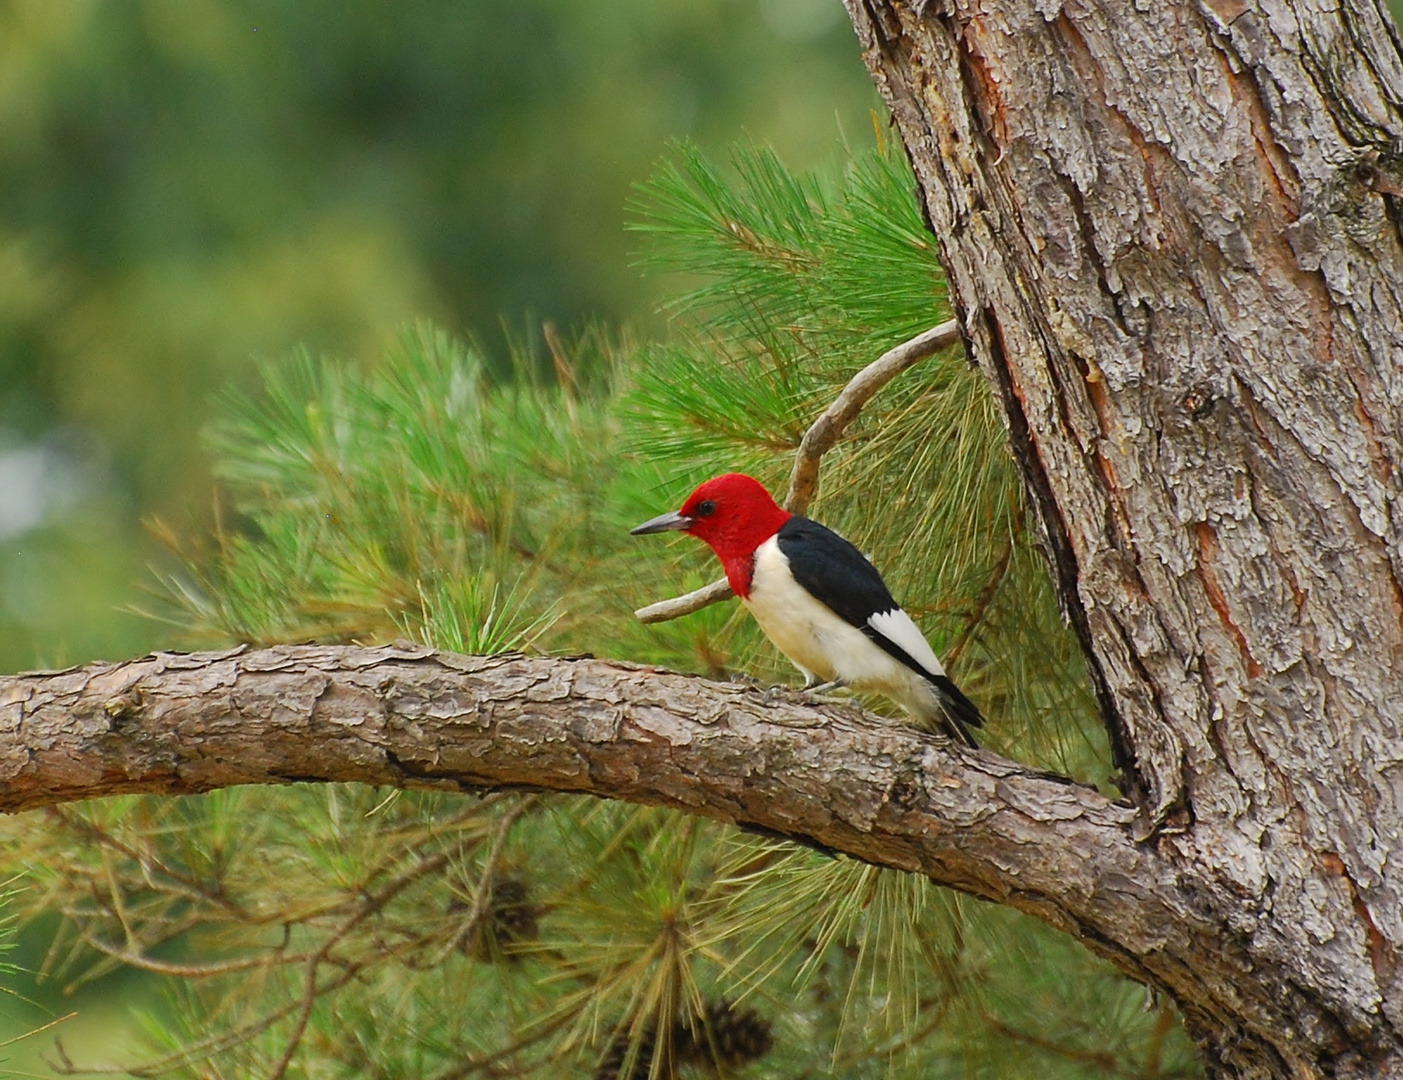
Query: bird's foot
(822, 693)
(813, 693)
(775, 691)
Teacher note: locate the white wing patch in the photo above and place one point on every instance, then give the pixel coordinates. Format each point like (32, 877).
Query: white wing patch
(898, 628)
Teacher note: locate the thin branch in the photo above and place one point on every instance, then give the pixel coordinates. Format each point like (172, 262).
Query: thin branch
(663, 610)
(1102, 1061)
(982, 603)
(822, 435)
(176, 883)
(482, 894)
(487, 1062)
(311, 991)
(140, 960)
(824, 432)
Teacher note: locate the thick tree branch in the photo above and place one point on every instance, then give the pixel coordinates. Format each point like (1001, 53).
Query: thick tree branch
(825, 775)
(821, 436)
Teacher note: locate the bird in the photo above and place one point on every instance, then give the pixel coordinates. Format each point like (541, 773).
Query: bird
(820, 601)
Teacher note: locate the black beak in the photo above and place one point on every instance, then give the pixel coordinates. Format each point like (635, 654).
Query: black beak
(672, 521)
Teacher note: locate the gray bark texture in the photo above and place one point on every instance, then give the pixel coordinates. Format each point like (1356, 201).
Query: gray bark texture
(1172, 234)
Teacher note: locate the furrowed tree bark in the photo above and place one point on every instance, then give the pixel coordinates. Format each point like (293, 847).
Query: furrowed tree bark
(1172, 233)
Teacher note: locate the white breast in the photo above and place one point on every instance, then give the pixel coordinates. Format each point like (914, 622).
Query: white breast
(824, 645)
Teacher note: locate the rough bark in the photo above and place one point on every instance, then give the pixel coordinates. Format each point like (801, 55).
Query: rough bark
(1171, 230)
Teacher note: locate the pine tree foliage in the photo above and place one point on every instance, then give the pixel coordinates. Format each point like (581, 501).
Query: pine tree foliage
(346, 932)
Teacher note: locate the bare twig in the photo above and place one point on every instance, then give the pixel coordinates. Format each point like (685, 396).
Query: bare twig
(1105, 1062)
(663, 610)
(982, 603)
(137, 959)
(311, 991)
(488, 1063)
(482, 895)
(174, 882)
(828, 428)
(823, 433)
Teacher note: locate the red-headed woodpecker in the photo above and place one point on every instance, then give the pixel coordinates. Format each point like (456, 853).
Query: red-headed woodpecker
(820, 601)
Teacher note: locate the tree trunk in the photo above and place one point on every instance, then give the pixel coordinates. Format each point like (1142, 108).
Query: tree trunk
(1171, 231)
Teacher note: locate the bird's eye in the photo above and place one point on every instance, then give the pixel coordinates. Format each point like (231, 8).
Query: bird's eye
(706, 508)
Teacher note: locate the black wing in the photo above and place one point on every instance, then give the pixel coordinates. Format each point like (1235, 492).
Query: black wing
(833, 571)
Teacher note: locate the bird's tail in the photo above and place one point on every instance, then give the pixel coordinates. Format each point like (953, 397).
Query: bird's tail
(959, 714)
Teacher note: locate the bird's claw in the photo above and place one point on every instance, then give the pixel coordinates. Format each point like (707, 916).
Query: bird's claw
(813, 693)
(775, 691)
(766, 690)
(821, 693)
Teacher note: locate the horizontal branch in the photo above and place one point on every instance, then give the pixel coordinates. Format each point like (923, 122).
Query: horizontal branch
(822, 434)
(825, 775)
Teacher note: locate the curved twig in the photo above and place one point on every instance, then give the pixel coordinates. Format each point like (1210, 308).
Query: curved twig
(311, 990)
(828, 428)
(143, 962)
(482, 895)
(823, 433)
(663, 610)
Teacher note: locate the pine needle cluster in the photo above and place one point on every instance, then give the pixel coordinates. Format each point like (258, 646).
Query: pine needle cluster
(345, 932)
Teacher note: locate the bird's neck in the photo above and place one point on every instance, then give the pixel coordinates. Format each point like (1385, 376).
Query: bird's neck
(740, 572)
(736, 543)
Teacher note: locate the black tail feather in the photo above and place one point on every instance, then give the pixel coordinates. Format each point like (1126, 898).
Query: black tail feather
(961, 714)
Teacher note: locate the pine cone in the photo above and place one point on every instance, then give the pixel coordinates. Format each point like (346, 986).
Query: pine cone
(612, 1066)
(725, 1037)
(509, 920)
(512, 917)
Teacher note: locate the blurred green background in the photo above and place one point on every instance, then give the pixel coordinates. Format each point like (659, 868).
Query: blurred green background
(189, 185)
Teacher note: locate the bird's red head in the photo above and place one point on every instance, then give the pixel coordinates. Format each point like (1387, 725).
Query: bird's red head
(734, 514)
